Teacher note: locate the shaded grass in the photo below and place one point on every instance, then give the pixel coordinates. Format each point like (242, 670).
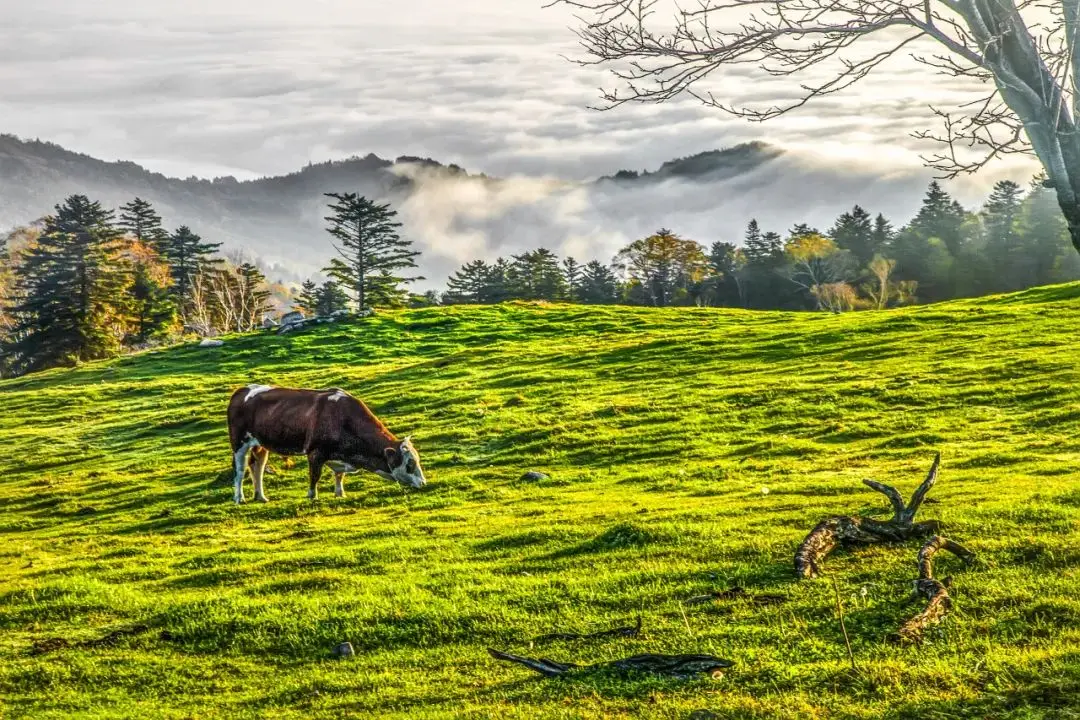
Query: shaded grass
(689, 450)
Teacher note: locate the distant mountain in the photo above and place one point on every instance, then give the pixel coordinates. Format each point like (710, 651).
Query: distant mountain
(280, 219)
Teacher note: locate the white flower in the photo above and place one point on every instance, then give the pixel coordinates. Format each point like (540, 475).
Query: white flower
(764, 490)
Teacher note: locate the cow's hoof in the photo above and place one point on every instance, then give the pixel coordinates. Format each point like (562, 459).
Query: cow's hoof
(262, 498)
(339, 495)
(238, 501)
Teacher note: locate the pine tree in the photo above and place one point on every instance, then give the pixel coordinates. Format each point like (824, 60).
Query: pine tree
(498, 288)
(152, 309)
(762, 248)
(854, 232)
(1000, 216)
(470, 283)
(306, 301)
(70, 301)
(572, 275)
(330, 299)
(940, 217)
(370, 250)
(883, 233)
(599, 286)
(536, 275)
(724, 265)
(139, 219)
(187, 255)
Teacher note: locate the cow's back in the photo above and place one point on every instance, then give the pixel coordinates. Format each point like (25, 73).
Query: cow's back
(280, 419)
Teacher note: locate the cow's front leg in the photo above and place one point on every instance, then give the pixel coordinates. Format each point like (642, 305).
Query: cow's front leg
(240, 462)
(339, 485)
(315, 466)
(258, 465)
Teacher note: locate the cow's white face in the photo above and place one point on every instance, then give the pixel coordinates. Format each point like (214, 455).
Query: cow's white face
(405, 465)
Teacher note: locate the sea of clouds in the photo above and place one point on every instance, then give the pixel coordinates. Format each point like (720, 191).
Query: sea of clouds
(252, 88)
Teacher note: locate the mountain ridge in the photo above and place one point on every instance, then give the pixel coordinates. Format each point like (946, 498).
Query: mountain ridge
(279, 218)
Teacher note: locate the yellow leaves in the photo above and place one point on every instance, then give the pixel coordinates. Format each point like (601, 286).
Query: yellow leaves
(809, 247)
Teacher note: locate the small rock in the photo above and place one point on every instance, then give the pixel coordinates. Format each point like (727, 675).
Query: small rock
(344, 650)
(211, 343)
(534, 476)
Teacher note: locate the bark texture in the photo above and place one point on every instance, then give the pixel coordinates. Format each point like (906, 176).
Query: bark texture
(676, 666)
(849, 531)
(936, 592)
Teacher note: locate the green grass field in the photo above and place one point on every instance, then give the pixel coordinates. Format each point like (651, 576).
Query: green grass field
(689, 450)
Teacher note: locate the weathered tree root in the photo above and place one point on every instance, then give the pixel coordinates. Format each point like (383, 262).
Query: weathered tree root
(677, 666)
(936, 592)
(628, 631)
(851, 531)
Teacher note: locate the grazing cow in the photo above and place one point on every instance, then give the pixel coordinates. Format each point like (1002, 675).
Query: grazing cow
(330, 426)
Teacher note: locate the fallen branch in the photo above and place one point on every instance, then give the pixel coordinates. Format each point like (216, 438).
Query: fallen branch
(628, 631)
(936, 592)
(736, 593)
(851, 531)
(677, 666)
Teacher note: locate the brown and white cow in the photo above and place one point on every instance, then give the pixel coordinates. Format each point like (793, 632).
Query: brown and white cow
(330, 426)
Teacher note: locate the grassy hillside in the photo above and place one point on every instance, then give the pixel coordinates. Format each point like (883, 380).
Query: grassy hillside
(689, 451)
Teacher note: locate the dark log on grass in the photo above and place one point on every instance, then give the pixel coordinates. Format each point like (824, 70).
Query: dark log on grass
(627, 631)
(849, 531)
(677, 666)
(736, 593)
(936, 592)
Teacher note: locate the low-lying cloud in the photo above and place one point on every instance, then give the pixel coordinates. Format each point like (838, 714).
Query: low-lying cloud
(253, 88)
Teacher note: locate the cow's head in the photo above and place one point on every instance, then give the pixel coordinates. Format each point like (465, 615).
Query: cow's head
(404, 464)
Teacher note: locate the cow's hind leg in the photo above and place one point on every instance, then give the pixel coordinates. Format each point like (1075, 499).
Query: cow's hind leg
(259, 456)
(339, 484)
(315, 466)
(239, 463)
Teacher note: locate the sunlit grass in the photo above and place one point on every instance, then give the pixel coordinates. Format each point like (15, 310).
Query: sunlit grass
(689, 450)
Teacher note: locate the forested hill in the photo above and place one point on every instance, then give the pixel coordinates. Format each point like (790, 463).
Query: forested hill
(273, 217)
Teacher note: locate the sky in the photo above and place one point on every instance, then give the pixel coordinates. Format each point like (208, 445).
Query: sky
(251, 88)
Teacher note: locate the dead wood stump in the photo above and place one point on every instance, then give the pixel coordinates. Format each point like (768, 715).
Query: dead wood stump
(677, 666)
(936, 592)
(850, 531)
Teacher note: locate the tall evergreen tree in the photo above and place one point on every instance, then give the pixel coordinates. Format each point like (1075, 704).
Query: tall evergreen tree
(70, 302)
(370, 250)
(305, 301)
(536, 275)
(724, 261)
(152, 309)
(139, 219)
(330, 299)
(762, 248)
(599, 286)
(854, 232)
(883, 233)
(470, 283)
(188, 254)
(572, 275)
(1000, 219)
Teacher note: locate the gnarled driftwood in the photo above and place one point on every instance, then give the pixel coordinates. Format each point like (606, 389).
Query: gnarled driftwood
(677, 666)
(936, 592)
(850, 531)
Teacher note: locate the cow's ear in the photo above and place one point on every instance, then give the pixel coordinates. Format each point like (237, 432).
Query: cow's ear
(392, 458)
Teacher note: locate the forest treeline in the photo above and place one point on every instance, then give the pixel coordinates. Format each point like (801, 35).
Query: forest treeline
(1016, 240)
(88, 282)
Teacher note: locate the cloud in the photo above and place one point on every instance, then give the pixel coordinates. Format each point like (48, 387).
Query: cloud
(252, 88)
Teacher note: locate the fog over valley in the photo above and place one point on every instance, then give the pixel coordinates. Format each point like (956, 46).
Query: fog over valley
(250, 90)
